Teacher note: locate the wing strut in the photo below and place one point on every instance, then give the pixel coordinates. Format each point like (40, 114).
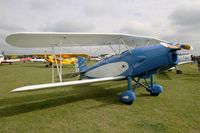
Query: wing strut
(58, 70)
(58, 66)
(112, 49)
(123, 43)
(60, 60)
(52, 66)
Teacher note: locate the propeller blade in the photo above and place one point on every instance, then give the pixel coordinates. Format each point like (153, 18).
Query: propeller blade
(177, 46)
(186, 46)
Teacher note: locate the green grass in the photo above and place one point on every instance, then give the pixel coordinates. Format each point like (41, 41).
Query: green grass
(95, 107)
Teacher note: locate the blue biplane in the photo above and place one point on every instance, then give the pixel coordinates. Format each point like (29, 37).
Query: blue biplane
(143, 57)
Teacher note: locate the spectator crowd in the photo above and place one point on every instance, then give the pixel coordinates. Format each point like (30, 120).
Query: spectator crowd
(196, 59)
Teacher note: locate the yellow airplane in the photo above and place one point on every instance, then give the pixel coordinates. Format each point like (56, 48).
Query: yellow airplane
(67, 59)
(64, 61)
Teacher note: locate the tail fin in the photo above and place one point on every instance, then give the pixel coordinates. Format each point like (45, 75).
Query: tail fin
(80, 64)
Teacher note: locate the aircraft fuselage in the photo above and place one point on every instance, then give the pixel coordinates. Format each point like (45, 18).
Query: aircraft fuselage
(139, 62)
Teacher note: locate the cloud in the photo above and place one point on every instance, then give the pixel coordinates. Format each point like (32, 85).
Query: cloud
(105, 8)
(138, 28)
(186, 20)
(186, 14)
(68, 26)
(6, 27)
(185, 23)
(176, 21)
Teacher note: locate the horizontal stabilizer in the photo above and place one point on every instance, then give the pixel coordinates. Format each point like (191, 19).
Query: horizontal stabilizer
(69, 83)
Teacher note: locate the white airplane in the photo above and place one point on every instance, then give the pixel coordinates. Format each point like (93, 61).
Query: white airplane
(134, 64)
(9, 61)
(183, 59)
(37, 60)
(1, 58)
(95, 58)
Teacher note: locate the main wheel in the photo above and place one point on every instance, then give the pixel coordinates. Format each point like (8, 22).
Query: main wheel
(127, 97)
(156, 90)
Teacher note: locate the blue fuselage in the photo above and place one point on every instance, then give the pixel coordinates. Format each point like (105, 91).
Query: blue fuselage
(137, 62)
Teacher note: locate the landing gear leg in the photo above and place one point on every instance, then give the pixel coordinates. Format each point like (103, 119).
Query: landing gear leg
(128, 96)
(154, 89)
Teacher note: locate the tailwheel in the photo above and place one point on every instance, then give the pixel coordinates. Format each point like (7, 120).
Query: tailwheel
(179, 72)
(156, 90)
(127, 97)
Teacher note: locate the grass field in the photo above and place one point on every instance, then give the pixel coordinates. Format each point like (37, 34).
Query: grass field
(95, 107)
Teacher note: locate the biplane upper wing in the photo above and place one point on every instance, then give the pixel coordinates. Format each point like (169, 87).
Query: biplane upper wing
(47, 39)
(68, 83)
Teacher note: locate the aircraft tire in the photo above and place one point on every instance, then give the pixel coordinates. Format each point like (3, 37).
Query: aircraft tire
(157, 89)
(127, 97)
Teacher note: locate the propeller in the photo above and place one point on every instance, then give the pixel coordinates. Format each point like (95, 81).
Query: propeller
(186, 46)
(177, 46)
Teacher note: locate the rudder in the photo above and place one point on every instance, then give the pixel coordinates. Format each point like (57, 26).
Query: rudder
(80, 64)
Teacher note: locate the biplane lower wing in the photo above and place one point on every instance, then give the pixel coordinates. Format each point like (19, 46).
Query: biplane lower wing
(185, 62)
(69, 83)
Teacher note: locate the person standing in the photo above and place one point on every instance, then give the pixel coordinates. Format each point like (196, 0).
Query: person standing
(198, 62)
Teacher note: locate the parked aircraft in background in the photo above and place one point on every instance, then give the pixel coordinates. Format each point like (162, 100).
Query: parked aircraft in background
(25, 59)
(1, 58)
(95, 58)
(37, 60)
(8, 61)
(66, 59)
(183, 59)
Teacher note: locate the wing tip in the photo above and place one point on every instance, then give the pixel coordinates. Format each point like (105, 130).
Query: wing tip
(13, 91)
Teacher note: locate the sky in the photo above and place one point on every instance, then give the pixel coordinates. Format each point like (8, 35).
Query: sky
(169, 20)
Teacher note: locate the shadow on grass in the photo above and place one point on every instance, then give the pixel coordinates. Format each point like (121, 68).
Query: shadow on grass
(191, 77)
(107, 97)
(164, 76)
(192, 74)
(43, 65)
(34, 66)
(144, 95)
